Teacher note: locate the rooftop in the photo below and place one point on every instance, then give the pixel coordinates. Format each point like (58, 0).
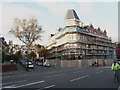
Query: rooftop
(71, 14)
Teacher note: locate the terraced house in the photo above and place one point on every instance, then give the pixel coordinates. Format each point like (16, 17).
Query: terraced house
(76, 42)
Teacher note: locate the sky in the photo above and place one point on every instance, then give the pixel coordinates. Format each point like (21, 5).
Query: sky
(51, 15)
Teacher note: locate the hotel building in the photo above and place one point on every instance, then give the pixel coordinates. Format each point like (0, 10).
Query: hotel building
(76, 42)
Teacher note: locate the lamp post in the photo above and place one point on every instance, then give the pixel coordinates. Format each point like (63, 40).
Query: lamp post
(27, 59)
(56, 56)
(27, 56)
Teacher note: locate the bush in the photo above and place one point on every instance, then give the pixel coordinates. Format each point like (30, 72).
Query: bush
(5, 57)
(14, 58)
(18, 54)
(32, 55)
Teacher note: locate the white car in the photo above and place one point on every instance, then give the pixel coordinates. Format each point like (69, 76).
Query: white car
(47, 64)
(29, 65)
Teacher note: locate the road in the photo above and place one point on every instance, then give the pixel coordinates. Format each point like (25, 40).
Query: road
(52, 77)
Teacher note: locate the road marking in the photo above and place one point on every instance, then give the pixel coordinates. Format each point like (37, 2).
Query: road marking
(9, 86)
(79, 78)
(49, 86)
(98, 72)
(26, 84)
(54, 76)
(25, 75)
(13, 82)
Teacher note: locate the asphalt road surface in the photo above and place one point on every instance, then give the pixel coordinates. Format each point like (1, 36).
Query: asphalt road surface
(52, 77)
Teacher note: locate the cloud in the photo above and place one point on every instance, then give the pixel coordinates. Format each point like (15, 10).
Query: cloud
(72, 0)
(56, 8)
(0, 19)
(86, 7)
(9, 12)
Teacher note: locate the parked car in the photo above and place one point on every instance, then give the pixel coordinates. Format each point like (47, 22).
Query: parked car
(46, 64)
(29, 65)
(22, 62)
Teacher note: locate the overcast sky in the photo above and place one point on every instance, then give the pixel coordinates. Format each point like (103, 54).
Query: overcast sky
(51, 15)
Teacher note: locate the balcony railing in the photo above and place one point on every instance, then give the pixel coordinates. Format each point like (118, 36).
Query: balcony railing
(69, 48)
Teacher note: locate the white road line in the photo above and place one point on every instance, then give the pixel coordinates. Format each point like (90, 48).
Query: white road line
(98, 72)
(49, 86)
(13, 82)
(54, 76)
(9, 86)
(26, 84)
(79, 78)
(25, 75)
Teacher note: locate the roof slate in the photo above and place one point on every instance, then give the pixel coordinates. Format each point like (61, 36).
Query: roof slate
(71, 14)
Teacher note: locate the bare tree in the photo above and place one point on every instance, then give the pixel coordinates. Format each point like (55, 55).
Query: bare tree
(26, 31)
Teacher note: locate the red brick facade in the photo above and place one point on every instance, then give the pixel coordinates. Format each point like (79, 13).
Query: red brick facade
(117, 48)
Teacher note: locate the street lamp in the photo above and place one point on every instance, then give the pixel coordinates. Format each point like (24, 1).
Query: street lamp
(27, 56)
(56, 56)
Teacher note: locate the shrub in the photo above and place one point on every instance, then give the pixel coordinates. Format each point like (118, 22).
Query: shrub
(32, 55)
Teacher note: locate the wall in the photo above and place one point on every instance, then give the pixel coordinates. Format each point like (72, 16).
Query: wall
(9, 67)
(77, 63)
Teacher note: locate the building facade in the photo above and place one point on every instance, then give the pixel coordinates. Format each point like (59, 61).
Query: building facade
(76, 42)
(117, 49)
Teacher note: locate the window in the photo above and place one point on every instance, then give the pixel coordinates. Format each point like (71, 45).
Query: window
(86, 46)
(74, 36)
(75, 45)
(71, 36)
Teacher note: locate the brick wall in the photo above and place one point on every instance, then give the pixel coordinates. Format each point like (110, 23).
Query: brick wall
(6, 68)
